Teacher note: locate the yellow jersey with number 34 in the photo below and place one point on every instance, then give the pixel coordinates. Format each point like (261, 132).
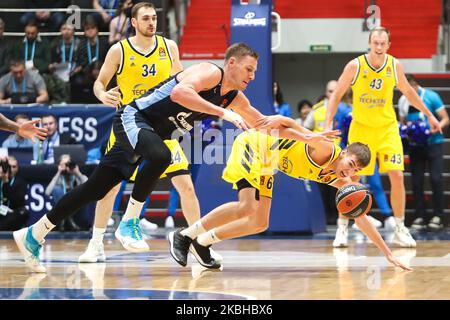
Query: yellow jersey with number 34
(140, 72)
(373, 91)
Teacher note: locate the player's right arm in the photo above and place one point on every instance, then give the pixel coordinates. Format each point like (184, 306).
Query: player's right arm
(344, 82)
(107, 71)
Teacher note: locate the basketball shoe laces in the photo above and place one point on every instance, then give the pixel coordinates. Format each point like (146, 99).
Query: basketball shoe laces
(134, 229)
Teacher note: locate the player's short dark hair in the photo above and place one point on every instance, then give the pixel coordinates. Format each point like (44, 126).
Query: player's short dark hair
(136, 7)
(362, 153)
(239, 50)
(380, 29)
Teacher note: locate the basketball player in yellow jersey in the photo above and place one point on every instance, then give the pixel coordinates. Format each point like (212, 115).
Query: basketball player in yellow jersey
(373, 77)
(139, 62)
(254, 159)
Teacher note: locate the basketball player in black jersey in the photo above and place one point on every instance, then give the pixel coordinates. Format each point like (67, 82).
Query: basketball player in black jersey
(199, 91)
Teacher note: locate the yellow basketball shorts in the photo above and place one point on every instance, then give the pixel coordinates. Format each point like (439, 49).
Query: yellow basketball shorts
(245, 163)
(179, 164)
(384, 143)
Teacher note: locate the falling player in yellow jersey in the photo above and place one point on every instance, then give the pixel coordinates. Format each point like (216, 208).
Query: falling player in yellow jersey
(139, 63)
(254, 159)
(373, 77)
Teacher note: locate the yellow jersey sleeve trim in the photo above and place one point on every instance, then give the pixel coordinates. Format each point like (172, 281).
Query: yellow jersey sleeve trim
(168, 52)
(357, 72)
(122, 58)
(309, 158)
(394, 67)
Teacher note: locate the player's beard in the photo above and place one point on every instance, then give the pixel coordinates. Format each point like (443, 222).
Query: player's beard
(146, 33)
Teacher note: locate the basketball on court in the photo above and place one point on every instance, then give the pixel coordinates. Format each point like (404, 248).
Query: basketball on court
(353, 200)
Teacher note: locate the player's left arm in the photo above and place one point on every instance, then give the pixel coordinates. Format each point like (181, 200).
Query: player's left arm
(414, 99)
(372, 233)
(175, 53)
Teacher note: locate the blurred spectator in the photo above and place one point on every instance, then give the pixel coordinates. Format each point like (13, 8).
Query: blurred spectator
(43, 150)
(66, 178)
(422, 152)
(315, 120)
(175, 5)
(120, 26)
(13, 213)
(106, 11)
(22, 86)
(304, 108)
(279, 105)
(49, 20)
(16, 141)
(4, 51)
(344, 109)
(32, 49)
(90, 56)
(63, 53)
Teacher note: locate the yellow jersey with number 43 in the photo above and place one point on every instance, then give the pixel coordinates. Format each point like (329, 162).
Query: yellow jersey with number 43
(373, 91)
(140, 72)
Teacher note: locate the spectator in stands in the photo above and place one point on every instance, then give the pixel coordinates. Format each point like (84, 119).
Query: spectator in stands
(90, 57)
(16, 141)
(63, 62)
(49, 20)
(33, 49)
(429, 151)
(66, 178)
(120, 26)
(43, 150)
(106, 11)
(304, 108)
(175, 5)
(4, 51)
(13, 213)
(280, 107)
(22, 86)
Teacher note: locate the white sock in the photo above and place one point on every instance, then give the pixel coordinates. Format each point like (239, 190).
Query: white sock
(400, 221)
(207, 238)
(41, 228)
(342, 222)
(98, 234)
(134, 209)
(194, 230)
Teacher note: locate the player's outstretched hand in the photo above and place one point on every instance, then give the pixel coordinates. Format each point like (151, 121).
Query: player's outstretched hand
(235, 118)
(269, 122)
(30, 131)
(322, 136)
(111, 97)
(397, 263)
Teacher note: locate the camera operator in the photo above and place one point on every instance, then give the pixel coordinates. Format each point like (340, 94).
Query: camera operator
(66, 178)
(13, 213)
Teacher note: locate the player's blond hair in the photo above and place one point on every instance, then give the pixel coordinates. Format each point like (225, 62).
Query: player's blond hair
(239, 50)
(380, 30)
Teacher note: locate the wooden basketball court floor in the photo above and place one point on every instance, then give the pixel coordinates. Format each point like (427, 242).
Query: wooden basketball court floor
(295, 267)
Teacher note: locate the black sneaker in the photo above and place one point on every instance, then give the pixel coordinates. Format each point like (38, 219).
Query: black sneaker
(203, 256)
(418, 224)
(179, 246)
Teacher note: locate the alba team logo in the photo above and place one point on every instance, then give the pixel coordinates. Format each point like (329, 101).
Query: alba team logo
(388, 72)
(162, 52)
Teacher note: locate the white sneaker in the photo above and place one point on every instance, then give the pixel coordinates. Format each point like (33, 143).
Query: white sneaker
(216, 256)
(375, 222)
(110, 222)
(341, 239)
(147, 225)
(130, 236)
(389, 223)
(169, 223)
(403, 238)
(95, 252)
(29, 248)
